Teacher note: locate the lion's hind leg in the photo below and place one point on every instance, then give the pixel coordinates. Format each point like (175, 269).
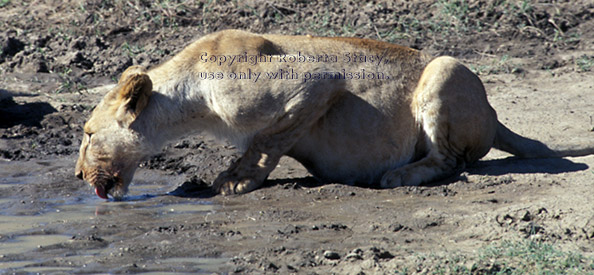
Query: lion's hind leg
(432, 167)
(456, 120)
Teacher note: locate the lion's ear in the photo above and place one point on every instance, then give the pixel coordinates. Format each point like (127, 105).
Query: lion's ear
(135, 89)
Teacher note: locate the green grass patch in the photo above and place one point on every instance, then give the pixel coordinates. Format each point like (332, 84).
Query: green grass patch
(131, 50)
(502, 65)
(585, 63)
(529, 257)
(507, 257)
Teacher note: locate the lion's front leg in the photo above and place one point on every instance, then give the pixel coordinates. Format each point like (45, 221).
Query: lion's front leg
(294, 118)
(263, 154)
(265, 151)
(248, 172)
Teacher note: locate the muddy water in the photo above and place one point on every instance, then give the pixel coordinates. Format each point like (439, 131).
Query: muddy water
(50, 222)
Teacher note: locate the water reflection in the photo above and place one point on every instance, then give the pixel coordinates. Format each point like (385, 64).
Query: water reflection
(48, 220)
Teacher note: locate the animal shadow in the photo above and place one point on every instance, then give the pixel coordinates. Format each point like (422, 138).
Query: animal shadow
(515, 165)
(196, 188)
(497, 167)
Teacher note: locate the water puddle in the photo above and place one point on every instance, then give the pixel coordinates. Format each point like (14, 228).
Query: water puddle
(22, 244)
(12, 224)
(46, 270)
(36, 229)
(16, 264)
(14, 173)
(33, 268)
(132, 208)
(204, 264)
(187, 264)
(26, 244)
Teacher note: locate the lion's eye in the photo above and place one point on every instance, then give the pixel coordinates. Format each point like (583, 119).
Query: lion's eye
(87, 138)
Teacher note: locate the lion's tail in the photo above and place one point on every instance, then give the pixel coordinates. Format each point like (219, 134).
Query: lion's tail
(510, 142)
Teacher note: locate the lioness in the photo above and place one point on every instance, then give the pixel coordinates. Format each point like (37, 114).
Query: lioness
(350, 110)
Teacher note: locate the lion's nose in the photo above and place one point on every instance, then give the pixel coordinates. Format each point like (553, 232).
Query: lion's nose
(79, 174)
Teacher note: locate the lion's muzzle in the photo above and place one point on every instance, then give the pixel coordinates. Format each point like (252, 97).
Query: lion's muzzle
(102, 182)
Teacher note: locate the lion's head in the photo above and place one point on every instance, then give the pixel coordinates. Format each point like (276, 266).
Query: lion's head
(111, 149)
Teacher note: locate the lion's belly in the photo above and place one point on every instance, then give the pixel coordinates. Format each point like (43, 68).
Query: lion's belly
(347, 161)
(356, 143)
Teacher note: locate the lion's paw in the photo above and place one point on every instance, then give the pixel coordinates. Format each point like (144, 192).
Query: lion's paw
(392, 179)
(404, 176)
(231, 187)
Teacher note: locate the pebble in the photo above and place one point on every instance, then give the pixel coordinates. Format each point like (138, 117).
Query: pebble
(353, 256)
(331, 255)
(395, 227)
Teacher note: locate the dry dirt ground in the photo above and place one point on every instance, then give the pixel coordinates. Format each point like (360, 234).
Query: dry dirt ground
(501, 214)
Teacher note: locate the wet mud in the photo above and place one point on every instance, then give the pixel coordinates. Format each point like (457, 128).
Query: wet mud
(55, 59)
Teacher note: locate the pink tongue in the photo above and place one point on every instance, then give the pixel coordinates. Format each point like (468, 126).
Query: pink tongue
(100, 191)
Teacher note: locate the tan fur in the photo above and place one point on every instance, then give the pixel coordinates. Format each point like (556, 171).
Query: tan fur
(428, 118)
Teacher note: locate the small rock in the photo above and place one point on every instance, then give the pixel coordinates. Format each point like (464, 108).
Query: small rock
(384, 255)
(182, 144)
(271, 267)
(526, 217)
(395, 227)
(380, 253)
(40, 41)
(78, 44)
(100, 43)
(81, 61)
(331, 255)
(353, 256)
(356, 254)
(338, 226)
